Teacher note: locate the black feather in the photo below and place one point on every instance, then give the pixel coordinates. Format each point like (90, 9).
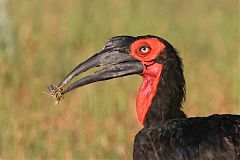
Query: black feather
(207, 138)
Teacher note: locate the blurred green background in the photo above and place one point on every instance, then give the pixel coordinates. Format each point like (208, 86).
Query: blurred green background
(42, 40)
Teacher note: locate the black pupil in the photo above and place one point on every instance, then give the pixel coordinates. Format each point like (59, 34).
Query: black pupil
(144, 48)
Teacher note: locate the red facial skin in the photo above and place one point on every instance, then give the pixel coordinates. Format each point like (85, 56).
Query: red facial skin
(151, 74)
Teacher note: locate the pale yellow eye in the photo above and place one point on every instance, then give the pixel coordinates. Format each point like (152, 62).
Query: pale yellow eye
(144, 50)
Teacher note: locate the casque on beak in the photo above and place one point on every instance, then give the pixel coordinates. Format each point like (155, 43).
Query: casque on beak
(115, 55)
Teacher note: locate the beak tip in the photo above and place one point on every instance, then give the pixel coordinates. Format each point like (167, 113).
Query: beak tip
(51, 87)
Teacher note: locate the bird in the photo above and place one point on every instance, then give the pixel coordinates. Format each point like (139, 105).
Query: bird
(167, 133)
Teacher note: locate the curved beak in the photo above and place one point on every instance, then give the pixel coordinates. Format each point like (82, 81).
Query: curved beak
(117, 58)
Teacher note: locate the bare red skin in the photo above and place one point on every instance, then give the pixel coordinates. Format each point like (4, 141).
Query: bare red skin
(151, 74)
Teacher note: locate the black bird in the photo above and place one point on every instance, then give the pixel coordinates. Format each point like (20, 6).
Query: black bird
(167, 133)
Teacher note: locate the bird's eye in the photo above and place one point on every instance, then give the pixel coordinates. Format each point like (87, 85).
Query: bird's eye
(144, 50)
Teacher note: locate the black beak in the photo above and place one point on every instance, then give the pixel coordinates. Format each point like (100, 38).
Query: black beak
(115, 55)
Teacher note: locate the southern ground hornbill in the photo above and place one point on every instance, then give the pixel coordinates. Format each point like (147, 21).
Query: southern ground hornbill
(167, 133)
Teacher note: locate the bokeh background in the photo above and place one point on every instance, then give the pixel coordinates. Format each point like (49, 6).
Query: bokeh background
(42, 40)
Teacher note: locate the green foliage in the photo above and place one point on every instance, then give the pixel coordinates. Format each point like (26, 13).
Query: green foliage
(99, 121)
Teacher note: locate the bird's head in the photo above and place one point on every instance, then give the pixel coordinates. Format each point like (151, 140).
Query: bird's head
(127, 55)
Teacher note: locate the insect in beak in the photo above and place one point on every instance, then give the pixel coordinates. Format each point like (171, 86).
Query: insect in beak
(56, 92)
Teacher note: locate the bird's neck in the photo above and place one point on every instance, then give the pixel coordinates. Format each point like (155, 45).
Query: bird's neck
(169, 95)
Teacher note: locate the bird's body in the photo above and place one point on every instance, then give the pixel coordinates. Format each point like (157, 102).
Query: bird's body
(167, 133)
(200, 138)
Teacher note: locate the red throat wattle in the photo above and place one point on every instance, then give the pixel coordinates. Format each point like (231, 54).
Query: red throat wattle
(151, 78)
(151, 74)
